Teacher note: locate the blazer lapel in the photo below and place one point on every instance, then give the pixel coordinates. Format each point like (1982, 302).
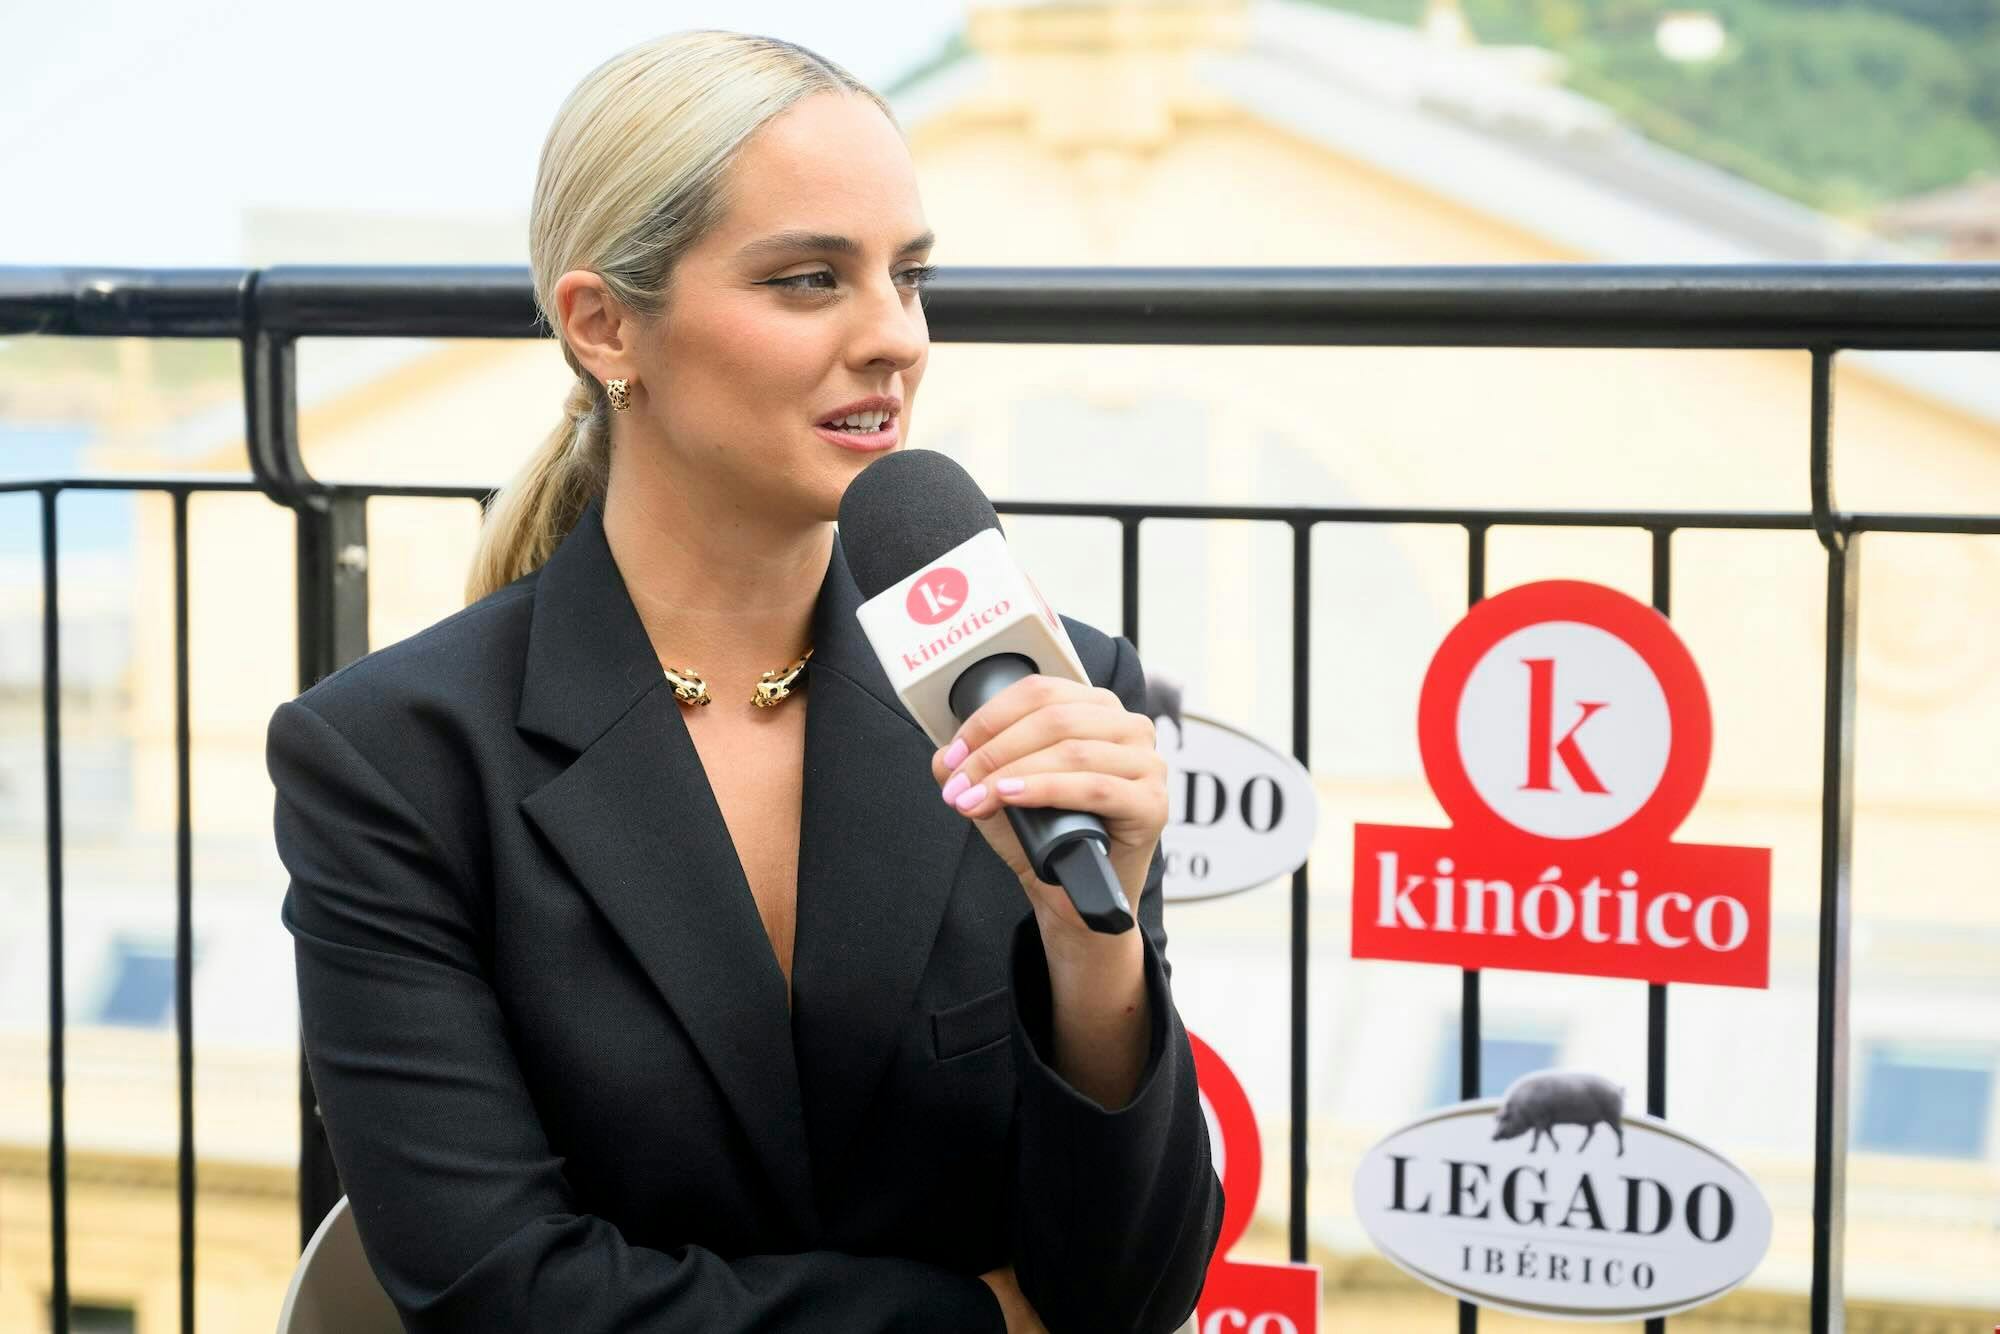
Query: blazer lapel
(878, 855)
(635, 820)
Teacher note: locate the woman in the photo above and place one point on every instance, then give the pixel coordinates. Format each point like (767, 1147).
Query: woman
(633, 1004)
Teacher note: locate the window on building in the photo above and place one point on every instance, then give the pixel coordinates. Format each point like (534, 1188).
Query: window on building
(1934, 1099)
(1506, 1052)
(139, 985)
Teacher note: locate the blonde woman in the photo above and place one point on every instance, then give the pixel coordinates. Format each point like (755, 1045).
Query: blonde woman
(650, 976)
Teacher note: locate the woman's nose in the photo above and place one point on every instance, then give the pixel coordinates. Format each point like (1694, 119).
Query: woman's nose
(889, 327)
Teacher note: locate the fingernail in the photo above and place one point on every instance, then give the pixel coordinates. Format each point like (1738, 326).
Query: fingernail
(956, 755)
(1011, 785)
(958, 784)
(971, 797)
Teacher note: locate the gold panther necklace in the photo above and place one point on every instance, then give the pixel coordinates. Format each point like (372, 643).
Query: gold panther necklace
(772, 687)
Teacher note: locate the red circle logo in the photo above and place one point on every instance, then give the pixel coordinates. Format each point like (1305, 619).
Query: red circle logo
(938, 595)
(1233, 1141)
(1565, 710)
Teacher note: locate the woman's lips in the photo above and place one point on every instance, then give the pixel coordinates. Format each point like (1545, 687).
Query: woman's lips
(882, 437)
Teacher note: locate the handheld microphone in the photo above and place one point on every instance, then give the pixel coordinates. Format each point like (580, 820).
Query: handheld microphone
(955, 621)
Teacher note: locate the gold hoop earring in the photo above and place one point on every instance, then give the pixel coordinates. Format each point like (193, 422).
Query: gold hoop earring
(619, 394)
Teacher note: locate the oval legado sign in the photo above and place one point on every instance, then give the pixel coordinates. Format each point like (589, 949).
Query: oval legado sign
(1553, 1201)
(1241, 812)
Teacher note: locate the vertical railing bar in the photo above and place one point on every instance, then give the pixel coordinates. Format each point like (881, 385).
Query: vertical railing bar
(52, 811)
(1820, 450)
(1128, 576)
(332, 542)
(184, 906)
(1301, 884)
(1836, 850)
(1468, 982)
(1656, 992)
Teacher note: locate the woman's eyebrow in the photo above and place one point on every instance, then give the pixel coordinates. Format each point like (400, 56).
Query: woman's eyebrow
(786, 243)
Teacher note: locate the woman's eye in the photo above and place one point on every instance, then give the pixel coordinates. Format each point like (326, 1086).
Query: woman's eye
(822, 280)
(800, 282)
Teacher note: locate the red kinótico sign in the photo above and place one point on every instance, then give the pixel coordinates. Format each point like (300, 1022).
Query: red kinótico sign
(1244, 1296)
(1566, 732)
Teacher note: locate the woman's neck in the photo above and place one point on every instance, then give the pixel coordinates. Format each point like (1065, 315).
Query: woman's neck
(722, 595)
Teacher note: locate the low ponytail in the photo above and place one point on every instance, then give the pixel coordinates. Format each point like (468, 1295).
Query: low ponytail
(631, 175)
(542, 501)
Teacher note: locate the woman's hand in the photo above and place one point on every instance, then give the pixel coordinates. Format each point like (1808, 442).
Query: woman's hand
(1021, 1317)
(1045, 741)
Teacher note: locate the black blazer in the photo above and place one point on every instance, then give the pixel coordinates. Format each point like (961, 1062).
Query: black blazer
(550, 1038)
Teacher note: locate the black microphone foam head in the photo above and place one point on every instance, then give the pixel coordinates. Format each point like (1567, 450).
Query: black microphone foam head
(903, 511)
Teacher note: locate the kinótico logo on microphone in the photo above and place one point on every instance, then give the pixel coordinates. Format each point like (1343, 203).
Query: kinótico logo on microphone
(938, 595)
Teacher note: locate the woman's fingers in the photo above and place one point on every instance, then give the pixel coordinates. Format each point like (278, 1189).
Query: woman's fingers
(984, 748)
(1027, 695)
(1082, 756)
(1088, 731)
(1137, 801)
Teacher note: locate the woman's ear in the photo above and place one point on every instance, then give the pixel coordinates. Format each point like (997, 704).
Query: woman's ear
(594, 325)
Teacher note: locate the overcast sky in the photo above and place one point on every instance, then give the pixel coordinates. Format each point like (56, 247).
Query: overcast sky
(134, 132)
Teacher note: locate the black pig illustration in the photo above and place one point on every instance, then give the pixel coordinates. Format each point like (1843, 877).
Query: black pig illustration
(1541, 1102)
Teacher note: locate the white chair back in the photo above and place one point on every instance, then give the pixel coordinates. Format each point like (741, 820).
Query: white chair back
(333, 1290)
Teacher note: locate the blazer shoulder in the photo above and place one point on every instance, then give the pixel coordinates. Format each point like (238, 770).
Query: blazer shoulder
(471, 659)
(1099, 650)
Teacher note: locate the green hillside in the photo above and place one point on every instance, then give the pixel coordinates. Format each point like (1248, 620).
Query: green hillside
(1843, 104)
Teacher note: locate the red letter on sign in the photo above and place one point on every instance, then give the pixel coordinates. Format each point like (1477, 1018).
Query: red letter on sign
(1541, 727)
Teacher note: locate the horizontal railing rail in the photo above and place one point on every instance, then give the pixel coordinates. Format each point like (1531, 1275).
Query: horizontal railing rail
(1820, 310)
(1846, 521)
(1934, 307)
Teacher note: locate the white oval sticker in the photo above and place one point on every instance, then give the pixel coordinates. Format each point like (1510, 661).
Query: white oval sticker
(1241, 813)
(1553, 1201)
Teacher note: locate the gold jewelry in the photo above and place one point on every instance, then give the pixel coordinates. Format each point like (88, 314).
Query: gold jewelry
(688, 688)
(619, 393)
(772, 687)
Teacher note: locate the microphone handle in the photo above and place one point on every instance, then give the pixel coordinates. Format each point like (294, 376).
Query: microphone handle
(1067, 848)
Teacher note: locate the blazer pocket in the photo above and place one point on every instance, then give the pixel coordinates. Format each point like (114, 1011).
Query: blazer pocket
(972, 1025)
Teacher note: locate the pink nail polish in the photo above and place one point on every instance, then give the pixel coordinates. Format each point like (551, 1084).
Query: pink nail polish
(1011, 785)
(956, 755)
(958, 784)
(971, 797)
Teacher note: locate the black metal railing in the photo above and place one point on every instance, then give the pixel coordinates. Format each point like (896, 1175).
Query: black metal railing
(1821, 310)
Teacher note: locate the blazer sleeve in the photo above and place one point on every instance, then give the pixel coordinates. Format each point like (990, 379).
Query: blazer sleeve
(459, 1201)
(1116, 1211)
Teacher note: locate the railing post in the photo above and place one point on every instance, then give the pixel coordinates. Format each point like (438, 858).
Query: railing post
(1836, 853)
(184, 908)
(1656, 992)
(1128, 578)
(1302, 684)
(1469, 1023)
(53, 815)
(333, 631)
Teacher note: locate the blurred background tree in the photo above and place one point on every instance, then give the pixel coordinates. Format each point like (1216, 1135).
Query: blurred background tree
(1841, 104)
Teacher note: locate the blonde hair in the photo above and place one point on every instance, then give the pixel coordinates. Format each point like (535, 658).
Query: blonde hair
(632, 174)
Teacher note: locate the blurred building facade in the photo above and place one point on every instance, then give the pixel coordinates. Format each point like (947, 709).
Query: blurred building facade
(1269, 132)
(1960, 222)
